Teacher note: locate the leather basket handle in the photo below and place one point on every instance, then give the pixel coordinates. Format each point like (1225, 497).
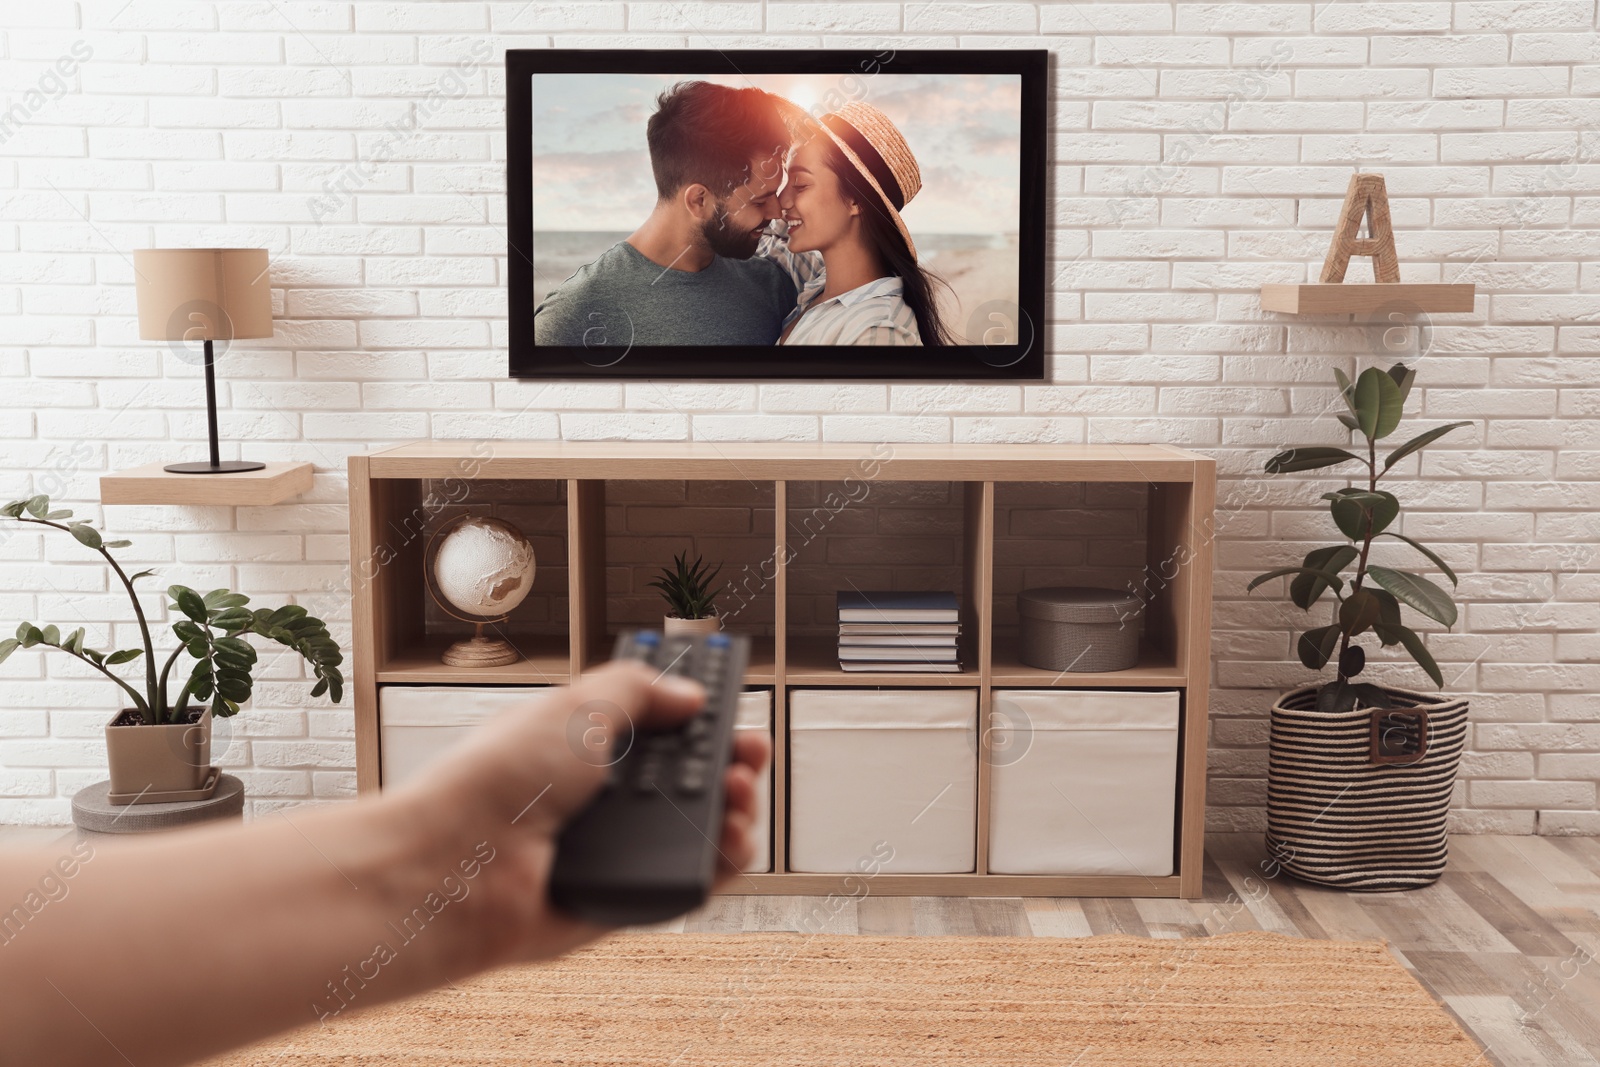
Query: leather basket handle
(1399, 735)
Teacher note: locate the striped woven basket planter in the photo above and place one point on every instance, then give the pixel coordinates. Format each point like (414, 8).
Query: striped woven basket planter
(1358, 799)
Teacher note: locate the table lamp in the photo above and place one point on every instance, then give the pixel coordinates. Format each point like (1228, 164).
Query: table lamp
(204, 294)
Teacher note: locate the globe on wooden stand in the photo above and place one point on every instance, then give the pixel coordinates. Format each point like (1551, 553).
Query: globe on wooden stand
(478, 569)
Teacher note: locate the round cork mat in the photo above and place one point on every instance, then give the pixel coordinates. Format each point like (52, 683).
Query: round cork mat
(793, 999)
(93, 812)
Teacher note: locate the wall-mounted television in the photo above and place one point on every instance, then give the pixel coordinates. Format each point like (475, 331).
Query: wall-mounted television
(796, 214)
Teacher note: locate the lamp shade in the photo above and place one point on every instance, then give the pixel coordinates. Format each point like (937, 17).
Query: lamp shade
(203, 294)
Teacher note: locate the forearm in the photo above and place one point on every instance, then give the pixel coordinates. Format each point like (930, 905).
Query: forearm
(166, 949)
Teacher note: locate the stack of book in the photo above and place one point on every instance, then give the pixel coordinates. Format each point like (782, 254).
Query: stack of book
(888, 631)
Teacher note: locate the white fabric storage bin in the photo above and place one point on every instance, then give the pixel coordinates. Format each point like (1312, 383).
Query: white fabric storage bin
(870, 768)
(1083, 781)
(755, 718)
(417, 723)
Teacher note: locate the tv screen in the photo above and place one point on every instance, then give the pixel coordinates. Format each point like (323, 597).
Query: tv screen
(776, 214)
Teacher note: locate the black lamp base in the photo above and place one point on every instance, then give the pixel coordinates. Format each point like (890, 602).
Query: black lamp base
(231, 466)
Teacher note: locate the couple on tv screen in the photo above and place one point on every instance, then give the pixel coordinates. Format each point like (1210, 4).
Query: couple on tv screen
(770, 227)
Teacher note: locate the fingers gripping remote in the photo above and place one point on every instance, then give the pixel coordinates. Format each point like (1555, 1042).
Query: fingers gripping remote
(645, 849)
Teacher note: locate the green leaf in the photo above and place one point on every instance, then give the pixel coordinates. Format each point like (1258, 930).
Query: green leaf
(1360, 513)
(190, 603)
(94, 656)
(59, 513)
(141, 574)
(1417, 591)
(1388, 609)
(220, 599)
(74, 641)
(232, 619)
(1337, 695)
(1437, 562)
(28, 635)
(117, 544)
(286, 614)
(38, 506)
(320, 688)
(187, 631)
(1403, 377)
(1378, 403)
(1422, 440)
(1307, 459)
(1413, 644)
(50, 635)
(1347, 391)
(1306, 589)
(1347, 422)
(1359, 611)
(1373, 694)
(123, 656)
(13, 510)
(8, 646)
(1315, 647)
(86, 535)
(1327, 576)
(243, 649)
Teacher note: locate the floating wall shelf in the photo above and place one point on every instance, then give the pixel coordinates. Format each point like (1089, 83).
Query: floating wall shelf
(1367, 198)
(152, 485)
(1315, 298)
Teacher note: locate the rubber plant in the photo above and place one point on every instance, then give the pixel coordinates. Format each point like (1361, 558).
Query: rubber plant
(687, 588)
(1371, 599)
(212, 629)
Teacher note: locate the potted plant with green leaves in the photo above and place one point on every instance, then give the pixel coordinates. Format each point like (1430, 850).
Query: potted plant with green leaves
(690, 596)
(160, 743)
(1360, 773)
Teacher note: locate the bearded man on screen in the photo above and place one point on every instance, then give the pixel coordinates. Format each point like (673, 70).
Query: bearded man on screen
(689, 274)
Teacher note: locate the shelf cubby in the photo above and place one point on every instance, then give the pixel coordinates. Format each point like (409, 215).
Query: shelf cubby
(793, 523)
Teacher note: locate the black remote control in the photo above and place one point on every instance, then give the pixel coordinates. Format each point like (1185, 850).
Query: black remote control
(645, 850)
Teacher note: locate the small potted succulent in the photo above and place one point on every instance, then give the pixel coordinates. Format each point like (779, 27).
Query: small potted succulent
(1360, 773)
(690, 595)
(160, 745)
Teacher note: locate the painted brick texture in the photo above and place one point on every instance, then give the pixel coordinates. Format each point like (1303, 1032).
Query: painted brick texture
(1198, 150)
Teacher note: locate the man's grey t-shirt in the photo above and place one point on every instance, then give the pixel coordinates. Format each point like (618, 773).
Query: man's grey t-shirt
(622, 298)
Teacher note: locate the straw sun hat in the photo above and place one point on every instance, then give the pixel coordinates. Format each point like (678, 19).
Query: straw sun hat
(875, 148)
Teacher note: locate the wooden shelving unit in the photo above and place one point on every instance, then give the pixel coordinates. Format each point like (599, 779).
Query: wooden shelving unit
(151, 484)
(389, 492)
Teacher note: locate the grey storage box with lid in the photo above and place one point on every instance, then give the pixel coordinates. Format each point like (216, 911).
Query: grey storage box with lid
(1079, 628)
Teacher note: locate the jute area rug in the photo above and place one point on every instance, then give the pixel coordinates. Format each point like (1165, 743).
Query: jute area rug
(713, 1000)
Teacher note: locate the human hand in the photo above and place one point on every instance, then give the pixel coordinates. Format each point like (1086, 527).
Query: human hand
(522, 775)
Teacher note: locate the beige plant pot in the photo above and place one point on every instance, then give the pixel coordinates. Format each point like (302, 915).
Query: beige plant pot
(158, 759)
(671, 624)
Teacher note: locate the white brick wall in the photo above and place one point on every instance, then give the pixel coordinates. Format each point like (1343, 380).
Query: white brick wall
(1199, 150)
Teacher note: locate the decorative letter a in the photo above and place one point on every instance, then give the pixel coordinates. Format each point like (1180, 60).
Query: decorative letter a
(1365, 197)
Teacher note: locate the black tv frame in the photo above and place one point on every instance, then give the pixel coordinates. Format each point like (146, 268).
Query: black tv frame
(1023, 361)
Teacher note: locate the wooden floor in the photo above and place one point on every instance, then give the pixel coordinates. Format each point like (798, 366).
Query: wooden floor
(1508, 940)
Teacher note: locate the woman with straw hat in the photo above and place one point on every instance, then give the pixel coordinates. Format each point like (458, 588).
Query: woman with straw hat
(846, 187)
